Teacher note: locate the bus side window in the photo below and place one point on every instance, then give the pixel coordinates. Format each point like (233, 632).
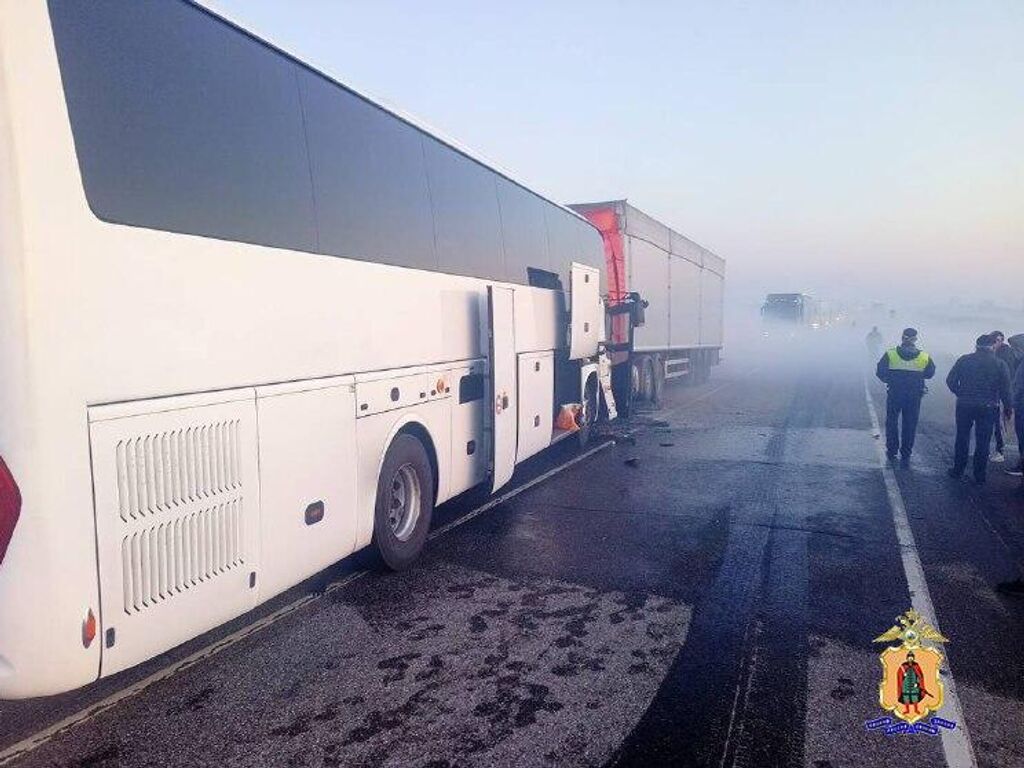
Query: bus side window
(471, 388)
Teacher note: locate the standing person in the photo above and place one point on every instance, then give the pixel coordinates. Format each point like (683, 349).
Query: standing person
(1017, 342)
(980, 381)
(903, 369)
(1008, 355)
(874, 342)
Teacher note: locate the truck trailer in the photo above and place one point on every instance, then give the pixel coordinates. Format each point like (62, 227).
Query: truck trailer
(676, 287)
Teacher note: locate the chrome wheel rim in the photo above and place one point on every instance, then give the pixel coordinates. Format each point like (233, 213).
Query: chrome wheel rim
(405, 502)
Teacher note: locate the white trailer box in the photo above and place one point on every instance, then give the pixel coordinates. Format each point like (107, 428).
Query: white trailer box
(683, 284)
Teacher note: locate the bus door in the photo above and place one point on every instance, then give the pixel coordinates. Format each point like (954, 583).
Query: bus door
(504, 406)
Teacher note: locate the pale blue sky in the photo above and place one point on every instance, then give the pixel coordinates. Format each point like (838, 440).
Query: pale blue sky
(826, 146)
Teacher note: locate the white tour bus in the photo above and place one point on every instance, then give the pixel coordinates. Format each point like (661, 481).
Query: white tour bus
(250, 322)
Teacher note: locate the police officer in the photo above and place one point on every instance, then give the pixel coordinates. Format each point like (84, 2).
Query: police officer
(903, 369)
(980, 381)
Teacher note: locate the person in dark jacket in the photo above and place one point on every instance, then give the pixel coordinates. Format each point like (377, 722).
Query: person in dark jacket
(1008, 355)
(903, 369)
(980, 381)
(1017, 343)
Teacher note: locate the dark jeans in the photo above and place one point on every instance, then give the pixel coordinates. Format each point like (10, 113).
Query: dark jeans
(908, 406)
(998, 430)
(1018, 423)
(982, 418)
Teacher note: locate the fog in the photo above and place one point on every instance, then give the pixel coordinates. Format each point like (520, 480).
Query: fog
(945, 331)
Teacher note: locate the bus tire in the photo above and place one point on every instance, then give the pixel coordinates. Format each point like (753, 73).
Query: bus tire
(405, 503)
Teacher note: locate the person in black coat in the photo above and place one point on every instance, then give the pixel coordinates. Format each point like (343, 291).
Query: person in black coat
(904, 370)
(1017, 344)
(980, 381)
(1008, 355)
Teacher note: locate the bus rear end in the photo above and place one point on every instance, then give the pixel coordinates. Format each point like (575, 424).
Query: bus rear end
(49, 602)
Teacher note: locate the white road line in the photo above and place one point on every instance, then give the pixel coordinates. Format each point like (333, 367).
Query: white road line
(957, 743)
(40, 738)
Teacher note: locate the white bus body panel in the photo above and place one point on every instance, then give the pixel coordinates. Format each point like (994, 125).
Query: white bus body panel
(536, 403)
(177, 521)
(469, 457)
(587, 321)
(503, 370)
(307, 452)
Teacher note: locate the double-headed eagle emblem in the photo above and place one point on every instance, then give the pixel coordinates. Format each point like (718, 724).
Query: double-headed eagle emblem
(910, 687)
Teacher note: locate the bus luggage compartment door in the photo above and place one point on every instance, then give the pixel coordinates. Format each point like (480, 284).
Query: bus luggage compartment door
(177, 519)
(586, 312)
(504, 406)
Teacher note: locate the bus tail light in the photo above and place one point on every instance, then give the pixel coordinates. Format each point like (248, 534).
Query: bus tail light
(10, 507)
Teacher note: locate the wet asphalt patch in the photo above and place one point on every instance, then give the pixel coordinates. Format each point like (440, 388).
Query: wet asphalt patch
(442, 665)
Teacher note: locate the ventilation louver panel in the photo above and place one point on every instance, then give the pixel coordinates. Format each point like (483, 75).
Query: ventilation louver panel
(162, 471)
(164, 560)
(177, 499)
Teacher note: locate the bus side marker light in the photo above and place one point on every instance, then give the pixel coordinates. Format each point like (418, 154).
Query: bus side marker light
(89, 629)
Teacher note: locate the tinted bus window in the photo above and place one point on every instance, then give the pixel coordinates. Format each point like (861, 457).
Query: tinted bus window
(524, 234)
(466, 220)
(184, 124)
(369, 179)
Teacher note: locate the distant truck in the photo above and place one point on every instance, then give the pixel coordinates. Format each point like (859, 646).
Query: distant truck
(795, 311)
(665, 299)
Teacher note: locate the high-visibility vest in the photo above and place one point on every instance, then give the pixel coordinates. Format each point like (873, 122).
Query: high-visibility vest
(914, 365)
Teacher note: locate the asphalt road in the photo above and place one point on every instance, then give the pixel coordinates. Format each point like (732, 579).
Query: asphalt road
(703, 592)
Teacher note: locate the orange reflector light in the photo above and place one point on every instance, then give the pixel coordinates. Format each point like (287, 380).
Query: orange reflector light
(440, 385)
(89, 629)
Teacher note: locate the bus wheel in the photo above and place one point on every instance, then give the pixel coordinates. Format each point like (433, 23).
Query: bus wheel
(405, 503)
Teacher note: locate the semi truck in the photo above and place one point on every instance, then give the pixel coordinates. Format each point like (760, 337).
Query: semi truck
(791, 311)
(665, 300)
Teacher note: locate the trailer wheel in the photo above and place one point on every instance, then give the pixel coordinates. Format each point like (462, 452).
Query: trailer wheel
(703, 370)
(591, 408)
(647, 380)
(635, 380)
(659, 380)
(624, 386)
(405, 503)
